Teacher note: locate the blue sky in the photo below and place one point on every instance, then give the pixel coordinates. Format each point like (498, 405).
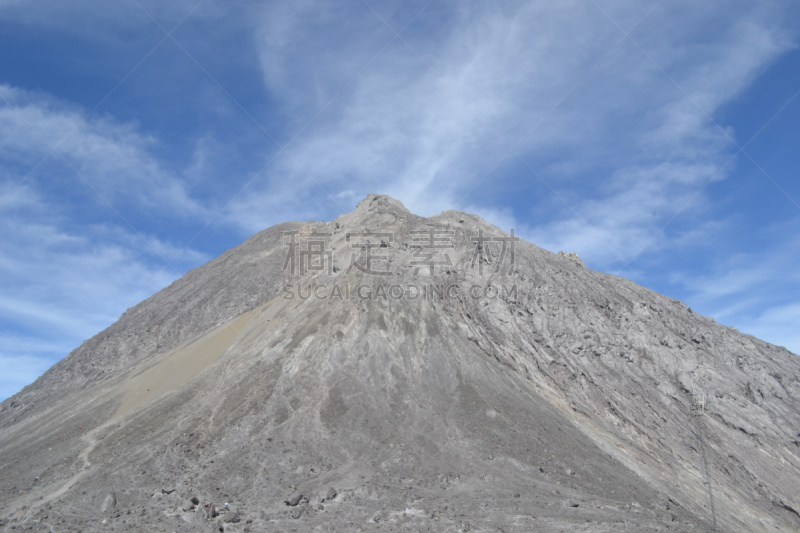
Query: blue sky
(138, 140)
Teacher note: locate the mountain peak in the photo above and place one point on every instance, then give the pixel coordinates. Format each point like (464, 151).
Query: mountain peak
(381, 203)
(375, 209)
(394, 368)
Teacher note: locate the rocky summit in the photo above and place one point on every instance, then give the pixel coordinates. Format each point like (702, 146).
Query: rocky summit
(389, 372)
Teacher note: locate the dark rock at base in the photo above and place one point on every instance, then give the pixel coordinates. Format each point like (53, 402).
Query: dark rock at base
(231, 518)
(294, 498)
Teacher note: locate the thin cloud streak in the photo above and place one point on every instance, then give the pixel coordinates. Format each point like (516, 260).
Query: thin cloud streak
(420, 133)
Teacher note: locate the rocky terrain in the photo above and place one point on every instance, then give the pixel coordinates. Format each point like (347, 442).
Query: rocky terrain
(386, 371)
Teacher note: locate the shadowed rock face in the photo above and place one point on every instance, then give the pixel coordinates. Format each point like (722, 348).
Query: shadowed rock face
(477, 394)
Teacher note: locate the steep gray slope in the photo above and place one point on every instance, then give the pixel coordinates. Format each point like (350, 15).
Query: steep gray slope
(235, 282)
(564, 404)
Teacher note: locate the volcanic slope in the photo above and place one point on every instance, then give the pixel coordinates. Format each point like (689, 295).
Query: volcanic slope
(471, 390)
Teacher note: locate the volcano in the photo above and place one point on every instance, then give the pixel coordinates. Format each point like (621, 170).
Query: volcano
(386, 371)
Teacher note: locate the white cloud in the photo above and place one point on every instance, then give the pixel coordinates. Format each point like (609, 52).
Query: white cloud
(753, 291)
(60, 287)
(18, 370)
(408, 126)
(114, 158)
(779, 324)
(766, 273)
(72, 283)
(111, 23)
(624, 145)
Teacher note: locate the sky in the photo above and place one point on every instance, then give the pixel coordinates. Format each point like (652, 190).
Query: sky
(140, 139)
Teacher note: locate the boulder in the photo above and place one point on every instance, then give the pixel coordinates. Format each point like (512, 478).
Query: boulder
(109, 502)
(294, 498)
(231, 518)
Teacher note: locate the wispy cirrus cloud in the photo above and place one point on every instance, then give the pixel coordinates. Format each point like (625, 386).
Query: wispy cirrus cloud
(619, 129)
(68, 280)
(63, 270)
(113, 158)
